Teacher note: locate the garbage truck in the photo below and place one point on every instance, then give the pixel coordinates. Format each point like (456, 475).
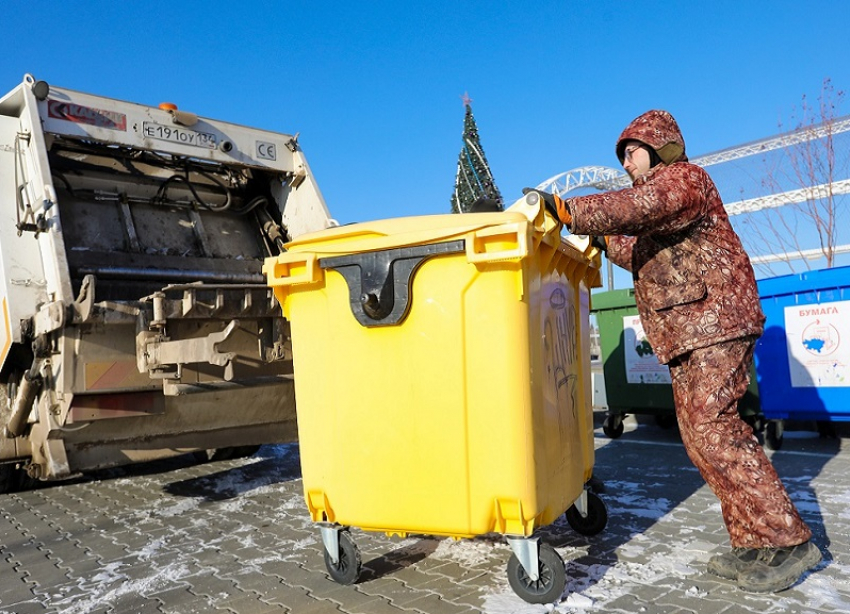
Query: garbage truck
(135, 321)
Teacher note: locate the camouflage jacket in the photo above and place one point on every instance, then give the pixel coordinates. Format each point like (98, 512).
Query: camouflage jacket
(694, 284)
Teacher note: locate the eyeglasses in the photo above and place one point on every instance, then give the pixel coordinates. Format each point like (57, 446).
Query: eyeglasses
(629, 153)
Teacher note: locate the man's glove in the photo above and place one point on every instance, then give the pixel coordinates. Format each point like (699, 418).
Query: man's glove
(600, 242)
(554, 204)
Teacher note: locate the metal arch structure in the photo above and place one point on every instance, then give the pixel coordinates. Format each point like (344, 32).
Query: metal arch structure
(806, 254)
(607, 178)
(795, 137)
(598, 177)
(789, 197)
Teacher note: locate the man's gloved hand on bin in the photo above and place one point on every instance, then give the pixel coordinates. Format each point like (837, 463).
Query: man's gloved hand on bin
(554, 204)
(600, 242)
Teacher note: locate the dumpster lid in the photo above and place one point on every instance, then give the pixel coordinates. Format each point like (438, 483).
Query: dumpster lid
(817, 280)
(612, 299)
(399, 232)
(523, 226)
(417, 230)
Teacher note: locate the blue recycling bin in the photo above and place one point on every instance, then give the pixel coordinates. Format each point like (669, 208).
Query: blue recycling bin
(803, 359)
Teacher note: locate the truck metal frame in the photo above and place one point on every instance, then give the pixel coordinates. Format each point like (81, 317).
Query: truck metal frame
(135, 321)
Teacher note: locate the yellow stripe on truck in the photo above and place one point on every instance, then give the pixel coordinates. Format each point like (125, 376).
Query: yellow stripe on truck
(6, 332)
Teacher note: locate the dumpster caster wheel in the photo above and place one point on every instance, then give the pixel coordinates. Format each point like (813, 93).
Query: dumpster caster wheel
(613, 426)
(756, 422)
(596, 519)
(347, 569)
(773, 433)
(551, 580)
(665, 421)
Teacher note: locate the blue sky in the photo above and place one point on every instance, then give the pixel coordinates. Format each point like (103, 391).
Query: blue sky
(374, 88)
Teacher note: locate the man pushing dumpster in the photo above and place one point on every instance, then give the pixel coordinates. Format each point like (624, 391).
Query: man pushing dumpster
(698, 302)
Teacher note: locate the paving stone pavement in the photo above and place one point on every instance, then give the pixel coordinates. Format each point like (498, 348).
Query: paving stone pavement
(234, 536)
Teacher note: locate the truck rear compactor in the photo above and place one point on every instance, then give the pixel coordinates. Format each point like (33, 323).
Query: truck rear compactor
(135, 321)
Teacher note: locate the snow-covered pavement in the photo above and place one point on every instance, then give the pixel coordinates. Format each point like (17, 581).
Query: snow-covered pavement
(235, 536)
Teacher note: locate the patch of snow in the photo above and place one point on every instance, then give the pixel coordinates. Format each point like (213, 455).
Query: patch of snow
(578, 601)
(107, 587)
(466, 553)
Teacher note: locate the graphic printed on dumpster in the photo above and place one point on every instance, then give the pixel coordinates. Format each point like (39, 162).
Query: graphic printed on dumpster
(818, 340)
(642, 366)
(561, 351)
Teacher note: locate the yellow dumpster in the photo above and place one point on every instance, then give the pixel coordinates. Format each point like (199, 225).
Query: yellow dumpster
(442, 379)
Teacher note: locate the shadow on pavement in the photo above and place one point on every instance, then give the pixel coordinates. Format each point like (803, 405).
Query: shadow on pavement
(398, 559)
(644, 476)
(272, 464)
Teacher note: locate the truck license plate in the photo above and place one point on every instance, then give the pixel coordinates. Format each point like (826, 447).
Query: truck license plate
(174, 134)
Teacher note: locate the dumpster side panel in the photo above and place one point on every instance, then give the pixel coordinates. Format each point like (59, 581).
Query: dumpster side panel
(394, 442)
(469, 416)
(562, 359)
(624, 397)
(585, 423)
(803, 358)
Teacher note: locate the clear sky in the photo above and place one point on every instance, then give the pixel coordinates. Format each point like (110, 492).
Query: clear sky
(374, 88)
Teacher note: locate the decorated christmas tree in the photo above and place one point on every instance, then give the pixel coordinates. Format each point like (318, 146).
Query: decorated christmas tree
(475, 189)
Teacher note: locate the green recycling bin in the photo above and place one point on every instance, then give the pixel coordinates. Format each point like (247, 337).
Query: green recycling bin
(635, 382)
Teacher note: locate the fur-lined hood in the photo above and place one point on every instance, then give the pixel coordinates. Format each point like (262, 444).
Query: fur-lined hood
(660, 131)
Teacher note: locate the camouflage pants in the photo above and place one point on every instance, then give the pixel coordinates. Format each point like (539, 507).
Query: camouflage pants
(707, 384)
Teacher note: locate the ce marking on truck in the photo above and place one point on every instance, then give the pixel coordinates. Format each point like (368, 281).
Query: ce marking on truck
(266, 150)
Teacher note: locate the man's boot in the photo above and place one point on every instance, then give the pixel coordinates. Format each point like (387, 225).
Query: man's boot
(776, 569)
(728, 564)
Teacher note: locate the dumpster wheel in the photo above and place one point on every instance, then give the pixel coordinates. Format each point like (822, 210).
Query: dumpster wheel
(665, 421)
(347, 569)
(774, 433)
(613, 426)
(596, 519)
(552, 577)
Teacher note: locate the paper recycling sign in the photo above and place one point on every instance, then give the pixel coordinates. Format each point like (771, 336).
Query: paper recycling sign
(818, 338)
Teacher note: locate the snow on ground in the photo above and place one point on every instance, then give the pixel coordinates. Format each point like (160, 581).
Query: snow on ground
(668, 556)
(663, 526)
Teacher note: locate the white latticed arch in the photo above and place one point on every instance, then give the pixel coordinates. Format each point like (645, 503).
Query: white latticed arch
(598, 177)
(605, 178)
